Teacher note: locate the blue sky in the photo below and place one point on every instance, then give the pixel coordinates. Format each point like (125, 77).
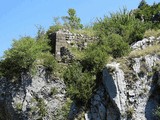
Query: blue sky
(20, 17)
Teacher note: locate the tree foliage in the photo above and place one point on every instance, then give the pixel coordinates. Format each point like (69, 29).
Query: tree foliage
(143, 3)
(148, 13)
(123, 24)
(23, 54)
(95, 58)
(116, 32)
(118, 47)
(69, 22)
(55, 27)
(72, 20)
(79, 84)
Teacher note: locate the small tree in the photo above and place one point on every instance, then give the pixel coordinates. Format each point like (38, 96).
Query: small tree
(56, 26)
(95, 58)
(79, 84)
(118, 47)
(72, 20)
(122, 23)
(23, 54)
(142, 4)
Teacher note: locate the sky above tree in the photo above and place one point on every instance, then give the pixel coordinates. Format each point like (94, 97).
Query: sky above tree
(20, 17)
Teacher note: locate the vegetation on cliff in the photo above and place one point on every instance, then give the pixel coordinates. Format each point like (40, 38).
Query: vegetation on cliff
(148, 13)
(116, 33)
(24, 55)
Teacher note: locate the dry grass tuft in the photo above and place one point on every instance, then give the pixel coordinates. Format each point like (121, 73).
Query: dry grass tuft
(87, 31)
(150, 32)
(155, 49)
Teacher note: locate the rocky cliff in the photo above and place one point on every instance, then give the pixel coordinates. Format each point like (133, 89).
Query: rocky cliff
(37, 97)
(129, 91)
(133, 93)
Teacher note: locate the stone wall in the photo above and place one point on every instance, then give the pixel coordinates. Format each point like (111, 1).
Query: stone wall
(64, 39)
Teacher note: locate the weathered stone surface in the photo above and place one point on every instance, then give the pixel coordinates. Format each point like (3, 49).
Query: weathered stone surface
(64, 38)
(133, 101)
(116, 86)
(144, 43)
(33, 98)
(130, 93)
(98, 105)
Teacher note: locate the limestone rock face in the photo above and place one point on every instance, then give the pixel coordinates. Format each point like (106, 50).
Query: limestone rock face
(38, 97)
(145, 43)
(116, 86)
(98, 108)
(134, 96)
(127, 93)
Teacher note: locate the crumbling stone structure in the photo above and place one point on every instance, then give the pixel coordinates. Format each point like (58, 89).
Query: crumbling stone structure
(63, 39)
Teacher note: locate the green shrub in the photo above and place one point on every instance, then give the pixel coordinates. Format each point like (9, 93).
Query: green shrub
(66, 109)
(118, 47)
(53, 29)
(95, 58)
(19, 106)
(23, 54)
(152, 32)
(42, 109)
(72, 20)
(122, 23)
(79, 84)
(47, 60)
(53, 91)
(130, 112)
(69, 22)
(148, 13)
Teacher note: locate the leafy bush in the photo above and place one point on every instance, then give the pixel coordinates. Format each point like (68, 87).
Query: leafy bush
(63, 112)
(142, 4)
(23, 54)
(47, 60)
(42, 107)
(53, 91)
(118, 47)
(53, 29)
(95, 58)
(72, 20)
(79, 84)
(122, 23)
(148, 13)
(56, 26)
(152, 32)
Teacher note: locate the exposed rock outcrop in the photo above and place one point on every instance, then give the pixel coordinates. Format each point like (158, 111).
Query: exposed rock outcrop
(38, 97)
(131, 94)
(116, 88)
(98, 108)
(130, 88)
(142, 44)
